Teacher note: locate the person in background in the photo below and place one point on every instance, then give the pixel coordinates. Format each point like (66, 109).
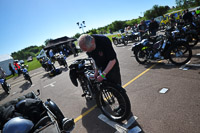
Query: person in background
(100, 48)
(153, 27)
(11, 69)
(142, 29)
(51, 55)
(17, 67)
(187, 16)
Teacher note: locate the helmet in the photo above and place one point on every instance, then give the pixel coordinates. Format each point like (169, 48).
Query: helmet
(18, 125)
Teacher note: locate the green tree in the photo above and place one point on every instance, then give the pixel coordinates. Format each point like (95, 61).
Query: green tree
(47, 41)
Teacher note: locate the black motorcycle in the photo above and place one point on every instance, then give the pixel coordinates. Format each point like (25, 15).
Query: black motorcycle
(110, 98)
(47, 64)
(5, 86)
(30, 114)
(163, 47)
(61, 60)
(120, 40)
(26, 75)
(189, 32)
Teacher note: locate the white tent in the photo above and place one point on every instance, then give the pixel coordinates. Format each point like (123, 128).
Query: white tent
(4, 63)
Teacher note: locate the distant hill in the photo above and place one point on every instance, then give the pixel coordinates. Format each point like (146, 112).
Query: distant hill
(26, 52)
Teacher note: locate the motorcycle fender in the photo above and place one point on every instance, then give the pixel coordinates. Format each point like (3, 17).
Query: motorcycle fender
(55, 109)
(73, 77)
(117, 86)
(137, 47)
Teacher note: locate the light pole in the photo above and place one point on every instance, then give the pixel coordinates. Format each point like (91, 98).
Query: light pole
(81, 25)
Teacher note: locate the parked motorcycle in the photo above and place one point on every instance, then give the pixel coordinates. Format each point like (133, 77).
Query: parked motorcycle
(133, 36)
(119, 40)
(189, 32)
(30, 114)
(110, 98)
(5, 86)
(163, 47)
(61, 58)
(26, 74)
(47, 64)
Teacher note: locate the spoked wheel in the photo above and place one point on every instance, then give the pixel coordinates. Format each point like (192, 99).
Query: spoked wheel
(140, 56)
(193, 40)
(87, 90)
(113, 103)
(180, 54)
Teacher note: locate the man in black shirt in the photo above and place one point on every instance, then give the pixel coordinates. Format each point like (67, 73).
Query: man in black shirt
(100, 48)
(187, 17)
(153, 27)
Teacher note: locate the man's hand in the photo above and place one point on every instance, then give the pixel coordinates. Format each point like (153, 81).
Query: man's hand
(96, 73)
(99, 78)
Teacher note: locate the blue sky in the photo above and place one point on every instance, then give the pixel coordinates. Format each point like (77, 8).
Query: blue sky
(30, 22)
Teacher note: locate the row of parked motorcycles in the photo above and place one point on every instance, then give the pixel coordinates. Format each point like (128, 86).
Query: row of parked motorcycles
(174, 45)
(48, 64)
(124, 39)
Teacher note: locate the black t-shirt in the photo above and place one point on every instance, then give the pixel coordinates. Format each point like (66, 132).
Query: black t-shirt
(103, 52)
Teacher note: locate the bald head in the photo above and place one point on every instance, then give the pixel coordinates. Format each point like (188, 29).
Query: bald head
(86, 42)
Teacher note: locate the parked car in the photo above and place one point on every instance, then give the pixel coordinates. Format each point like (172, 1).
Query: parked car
(30, 58)
(21, 61)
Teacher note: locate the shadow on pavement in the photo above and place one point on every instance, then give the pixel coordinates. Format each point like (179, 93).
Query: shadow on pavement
(91, 122)
(25, 86)
(3, 95)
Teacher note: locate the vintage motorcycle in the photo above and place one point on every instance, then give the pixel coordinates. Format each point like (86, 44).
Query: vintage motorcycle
(110, 98)
(189, 32)
(30, 114)
(119, 40)
(163, 47)
(5, 86)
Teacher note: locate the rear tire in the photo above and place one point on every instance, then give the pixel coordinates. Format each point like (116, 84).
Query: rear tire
(180, 54)
(6, 88)
(107, 100)
(115, 42)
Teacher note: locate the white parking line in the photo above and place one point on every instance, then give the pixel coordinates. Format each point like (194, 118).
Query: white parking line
(51, 84)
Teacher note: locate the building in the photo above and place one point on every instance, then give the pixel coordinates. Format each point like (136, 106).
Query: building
(4, 63)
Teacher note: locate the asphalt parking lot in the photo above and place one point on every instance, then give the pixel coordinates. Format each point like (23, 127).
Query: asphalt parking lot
(164, 97)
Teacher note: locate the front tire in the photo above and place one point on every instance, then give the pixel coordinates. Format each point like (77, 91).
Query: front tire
(180, 54)
(140, 56)
(192, 40)
(112, 97)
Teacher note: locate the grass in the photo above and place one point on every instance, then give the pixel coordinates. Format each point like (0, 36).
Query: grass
(33, 64)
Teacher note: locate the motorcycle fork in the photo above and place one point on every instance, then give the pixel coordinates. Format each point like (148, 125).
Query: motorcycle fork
(107, 96)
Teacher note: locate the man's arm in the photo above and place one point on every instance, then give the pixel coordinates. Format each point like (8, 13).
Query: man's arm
(107, 69)
(109, 66)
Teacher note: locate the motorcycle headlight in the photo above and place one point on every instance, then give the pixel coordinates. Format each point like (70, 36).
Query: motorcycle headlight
(68, 124)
